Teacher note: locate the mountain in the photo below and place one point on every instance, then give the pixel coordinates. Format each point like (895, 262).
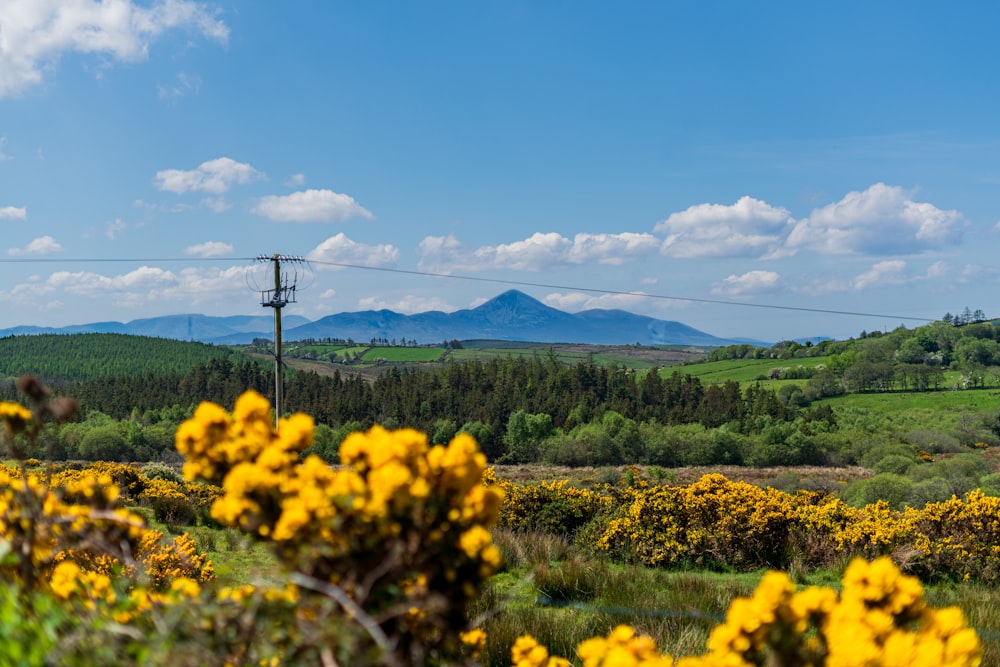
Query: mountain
(202, 328)
(512, 316)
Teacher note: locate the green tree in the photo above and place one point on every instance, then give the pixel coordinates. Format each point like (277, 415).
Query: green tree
(104, 443)
(524, 433)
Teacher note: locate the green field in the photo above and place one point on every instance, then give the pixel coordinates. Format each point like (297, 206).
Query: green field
(746, 370)
(402, 354)
(627, 356)
(318, 348)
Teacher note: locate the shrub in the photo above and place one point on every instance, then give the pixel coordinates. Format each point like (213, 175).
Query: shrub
(551, 507)
(895, 463)
(888, 487)
(104, 443)
(879, 617)
(934, 442)
(931, 490)
(158, 470)
(398, 533)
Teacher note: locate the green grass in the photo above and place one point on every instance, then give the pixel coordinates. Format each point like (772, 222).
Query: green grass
(947, 401)
(677, 608)
(318, 348)
(484, 353)
(403, 354)
(746, 370)
(570, 357)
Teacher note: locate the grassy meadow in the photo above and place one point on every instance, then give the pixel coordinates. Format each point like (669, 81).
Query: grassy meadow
(560, 594)
(563, 587)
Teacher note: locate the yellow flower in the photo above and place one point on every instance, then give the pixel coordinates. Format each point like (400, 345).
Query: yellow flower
(14, 416)
(65, 578)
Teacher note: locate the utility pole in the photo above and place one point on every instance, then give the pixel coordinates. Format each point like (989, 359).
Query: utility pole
(283, 293)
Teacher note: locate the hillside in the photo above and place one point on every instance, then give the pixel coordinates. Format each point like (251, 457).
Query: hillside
(511, 316)
(73, 357)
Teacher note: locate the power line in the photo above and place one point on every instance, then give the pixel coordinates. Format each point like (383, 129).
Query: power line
(498, 281)
(121, 260)
(598, 290)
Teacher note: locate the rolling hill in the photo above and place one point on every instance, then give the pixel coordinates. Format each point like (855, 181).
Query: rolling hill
(513, 316)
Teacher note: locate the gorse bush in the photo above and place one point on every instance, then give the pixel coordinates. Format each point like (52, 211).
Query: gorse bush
(722, 524)
(382, 555)
(878, 619)
(401, 530)
(385, 556)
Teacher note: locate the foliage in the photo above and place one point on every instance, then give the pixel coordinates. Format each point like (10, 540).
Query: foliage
(518, 402)
(550, 507)
(77, 357)
(398, 535)
(419, 512)
(718, 523)
(386, 554)
(878, 618)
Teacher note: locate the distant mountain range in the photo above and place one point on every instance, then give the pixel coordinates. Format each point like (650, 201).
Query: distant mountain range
(512, 316)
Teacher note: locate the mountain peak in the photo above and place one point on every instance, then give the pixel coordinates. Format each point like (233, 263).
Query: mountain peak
(514, 306)
(512, 315)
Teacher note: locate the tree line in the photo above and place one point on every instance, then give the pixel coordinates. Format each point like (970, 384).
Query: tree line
(510, 404)
(61, 358)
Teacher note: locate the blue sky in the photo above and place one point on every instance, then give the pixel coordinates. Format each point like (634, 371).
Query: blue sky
(809, 156)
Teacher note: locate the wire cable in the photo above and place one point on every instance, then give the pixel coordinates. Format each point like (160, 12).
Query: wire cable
(498, 281)
(598, 290)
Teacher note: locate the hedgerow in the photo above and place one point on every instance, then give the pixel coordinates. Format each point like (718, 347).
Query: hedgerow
(383, 555)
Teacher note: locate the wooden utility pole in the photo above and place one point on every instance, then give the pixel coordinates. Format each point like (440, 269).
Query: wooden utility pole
(282, 294)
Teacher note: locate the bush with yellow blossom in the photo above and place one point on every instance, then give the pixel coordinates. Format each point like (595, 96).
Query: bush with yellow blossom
(879, 619)
(383, 554)
(398, 535)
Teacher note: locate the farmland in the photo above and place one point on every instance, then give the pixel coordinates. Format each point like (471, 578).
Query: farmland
(820, 462)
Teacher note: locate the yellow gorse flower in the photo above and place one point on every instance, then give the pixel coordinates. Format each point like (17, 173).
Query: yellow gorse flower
(396, 506)
(878, 620)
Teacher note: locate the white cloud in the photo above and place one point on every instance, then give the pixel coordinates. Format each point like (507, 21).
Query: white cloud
(882, 220)
(43, 245)
(36, 33)
(328, 294)
(881, 274)
(88, 283)
(612, 249)
(148, 284)
(341, 250)
(186, 84)
(215, 177)
(13, 213)
(115, 228)
(748, 228)
(209, 249)
(535, 253)
(311, 206)
(209, 287)
(577, 301)
(440, 253)
(751, 282)
(950, 275)
(296, 180)
(938, 270)
(406, 305)
(217, 204)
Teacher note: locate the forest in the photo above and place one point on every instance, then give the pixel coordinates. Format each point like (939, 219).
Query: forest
(799, 407)
(621, 534)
